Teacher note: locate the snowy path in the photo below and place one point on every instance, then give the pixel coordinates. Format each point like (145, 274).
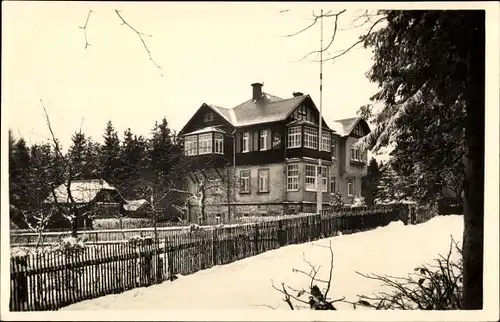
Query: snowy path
(246, 284)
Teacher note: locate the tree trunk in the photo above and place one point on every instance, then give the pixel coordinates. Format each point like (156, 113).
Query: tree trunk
(74, 227)
(473, 238)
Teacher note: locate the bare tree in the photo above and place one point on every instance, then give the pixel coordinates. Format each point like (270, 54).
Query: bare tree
(210, 186)
(124, 22)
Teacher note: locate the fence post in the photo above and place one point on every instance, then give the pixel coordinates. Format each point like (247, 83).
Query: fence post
(214, 247)
(280, 233)
(256, 238)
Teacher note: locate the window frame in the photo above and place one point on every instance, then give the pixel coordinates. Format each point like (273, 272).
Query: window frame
(245, 175)
(311, 139)
(208, 117)
(218, 139)
(292, 180)
(245, 138)
(333, 184)
(208, 138)
(314, 176)
(263, 135)
(357, 154)
(191, 140)
(296, 135)
(266, 180)
(350, 186)
(334, 149)
(326, 141)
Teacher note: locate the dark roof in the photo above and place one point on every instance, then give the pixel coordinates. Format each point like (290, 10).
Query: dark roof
(267, 109)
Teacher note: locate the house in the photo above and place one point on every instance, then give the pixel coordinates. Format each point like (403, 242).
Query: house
(268, 148)
(96, 198)
(350, 164)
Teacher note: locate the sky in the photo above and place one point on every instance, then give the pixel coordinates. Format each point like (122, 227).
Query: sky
(208, 52)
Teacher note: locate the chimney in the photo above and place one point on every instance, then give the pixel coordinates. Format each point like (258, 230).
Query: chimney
(257, 90)
(295, 94)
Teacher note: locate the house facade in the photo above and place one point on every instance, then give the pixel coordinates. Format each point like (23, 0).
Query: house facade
(261, 157)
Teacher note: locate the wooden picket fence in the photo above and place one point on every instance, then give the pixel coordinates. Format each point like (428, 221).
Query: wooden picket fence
(49, 281)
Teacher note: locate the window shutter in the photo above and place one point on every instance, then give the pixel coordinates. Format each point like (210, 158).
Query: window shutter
(256, 140)
(237, 137)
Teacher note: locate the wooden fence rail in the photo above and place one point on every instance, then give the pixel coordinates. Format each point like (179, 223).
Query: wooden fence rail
(49, 281)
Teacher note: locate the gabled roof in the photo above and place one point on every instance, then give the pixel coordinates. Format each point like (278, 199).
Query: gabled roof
(344, 127)
(82, 191)
(267, 109)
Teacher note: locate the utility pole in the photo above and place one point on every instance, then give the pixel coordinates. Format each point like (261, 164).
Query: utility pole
(319, 179)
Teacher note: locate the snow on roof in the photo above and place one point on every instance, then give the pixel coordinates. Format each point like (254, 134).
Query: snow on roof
(337, 127)
(82, 191)
(133, 205)
(205, 130)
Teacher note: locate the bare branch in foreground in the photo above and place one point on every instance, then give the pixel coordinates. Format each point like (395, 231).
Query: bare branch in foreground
(85, 29)
(361, 40)
(336, 15)
(140, 35)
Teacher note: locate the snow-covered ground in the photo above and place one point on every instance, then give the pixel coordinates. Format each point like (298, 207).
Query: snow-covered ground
(246, 284)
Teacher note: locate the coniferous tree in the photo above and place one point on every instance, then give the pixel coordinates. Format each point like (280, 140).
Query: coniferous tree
(110, 156)
(370, 183)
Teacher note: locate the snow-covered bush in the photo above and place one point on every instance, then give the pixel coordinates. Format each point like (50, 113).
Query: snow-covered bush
(194, 227)
(71, 244)
(140, 240)
(358, 202)
(336, 200)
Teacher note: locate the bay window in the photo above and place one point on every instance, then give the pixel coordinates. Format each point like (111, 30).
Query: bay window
(310, 137)
(294, 137)
(206, 143)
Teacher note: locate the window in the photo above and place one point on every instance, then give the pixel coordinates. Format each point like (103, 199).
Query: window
(190, 145)
(245, 182)
(357, 131)
(326, 141)
(350, 187)
(215, 186)
(219, 143)
(310, 180)
(263, 139)
(292, 177)
(355, 154)
(334, 149)
(324, 179)
(294, 137)
(246, 142)
(205, 143)
(208, 117)
(333, 184)
(310, 138)
(264, 180)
